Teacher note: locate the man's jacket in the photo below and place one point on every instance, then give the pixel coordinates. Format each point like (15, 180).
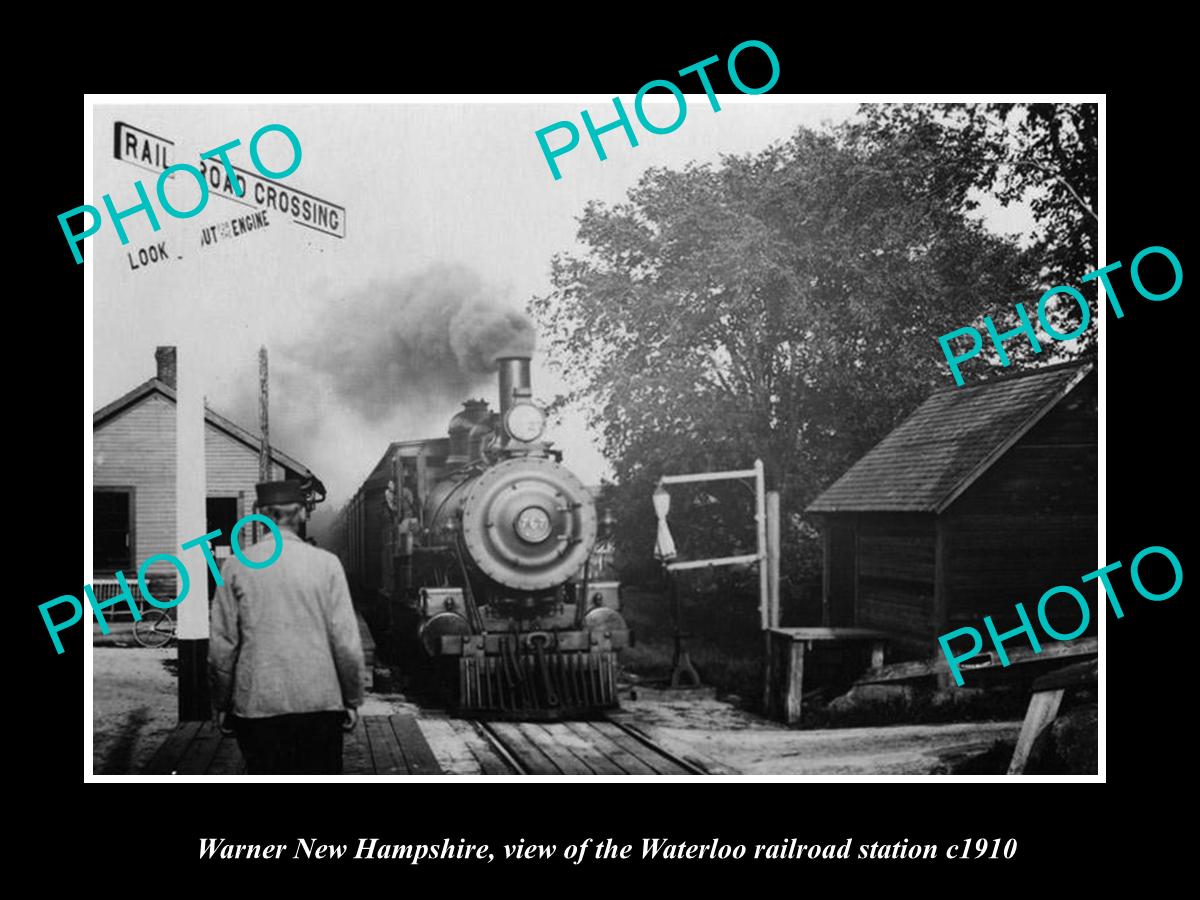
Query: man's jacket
(284, 638)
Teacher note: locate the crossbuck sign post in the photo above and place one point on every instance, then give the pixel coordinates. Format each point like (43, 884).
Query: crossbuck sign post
(766, 529)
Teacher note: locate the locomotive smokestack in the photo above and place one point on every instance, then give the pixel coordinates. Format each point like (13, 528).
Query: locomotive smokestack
(514, 376)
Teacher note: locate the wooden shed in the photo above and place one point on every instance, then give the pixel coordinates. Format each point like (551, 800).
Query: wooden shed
(133, 476)
(984, 497)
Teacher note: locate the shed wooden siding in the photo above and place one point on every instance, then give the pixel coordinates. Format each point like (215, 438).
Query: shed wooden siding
(136, 448)
(961, 513)
(1028, 523)
(895, 569)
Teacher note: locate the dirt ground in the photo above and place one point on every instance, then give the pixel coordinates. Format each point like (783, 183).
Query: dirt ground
(120, 634)
(705, 727)
(134, 706)
(134, 710)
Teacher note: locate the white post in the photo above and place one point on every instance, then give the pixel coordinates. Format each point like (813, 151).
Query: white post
(191, 489)
(774, 547)
(760, 522)
(191, 519)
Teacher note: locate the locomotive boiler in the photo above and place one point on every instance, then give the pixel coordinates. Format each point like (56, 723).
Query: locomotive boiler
(474, 556)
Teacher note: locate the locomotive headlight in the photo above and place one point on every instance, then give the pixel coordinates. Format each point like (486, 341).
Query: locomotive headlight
(533, 525)
(525, 422)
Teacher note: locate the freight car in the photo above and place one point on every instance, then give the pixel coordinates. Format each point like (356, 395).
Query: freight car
(472, 558)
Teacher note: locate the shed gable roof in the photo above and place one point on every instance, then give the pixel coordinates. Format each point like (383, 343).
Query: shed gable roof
(951, 439)
(211, 419)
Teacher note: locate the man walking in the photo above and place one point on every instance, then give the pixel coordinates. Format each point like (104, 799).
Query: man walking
(285, 659)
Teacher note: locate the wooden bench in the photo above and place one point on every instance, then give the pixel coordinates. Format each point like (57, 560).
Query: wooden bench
(785, 663)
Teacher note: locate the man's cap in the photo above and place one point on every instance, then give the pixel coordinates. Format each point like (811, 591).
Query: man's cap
(277, 493)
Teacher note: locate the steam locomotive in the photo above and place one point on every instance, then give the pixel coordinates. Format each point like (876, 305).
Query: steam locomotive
(473, 558)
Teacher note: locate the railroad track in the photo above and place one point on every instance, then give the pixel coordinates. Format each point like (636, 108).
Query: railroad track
(598, 747)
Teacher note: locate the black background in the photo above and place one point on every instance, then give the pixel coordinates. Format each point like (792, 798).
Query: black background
(1150, 405)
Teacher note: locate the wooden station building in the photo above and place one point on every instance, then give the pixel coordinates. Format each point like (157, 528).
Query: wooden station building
(984, 497)
(133, 478)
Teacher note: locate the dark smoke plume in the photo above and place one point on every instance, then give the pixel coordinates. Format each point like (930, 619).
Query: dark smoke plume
(432, 336)
(391, 361)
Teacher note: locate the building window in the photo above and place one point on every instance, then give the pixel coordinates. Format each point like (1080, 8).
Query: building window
(112, 531)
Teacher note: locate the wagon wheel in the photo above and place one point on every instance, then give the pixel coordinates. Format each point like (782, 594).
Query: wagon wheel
(155, 629)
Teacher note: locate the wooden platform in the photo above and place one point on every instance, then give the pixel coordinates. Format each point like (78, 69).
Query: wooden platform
(380, 745)
(398, 745)
(583, 748)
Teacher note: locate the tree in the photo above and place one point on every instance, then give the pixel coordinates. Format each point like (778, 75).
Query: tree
(1041, 153)
(782, 305)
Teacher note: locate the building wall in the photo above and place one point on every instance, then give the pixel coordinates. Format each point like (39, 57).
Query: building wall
(1029, 523)
(232, 469)
(137, 449)
(895, 573)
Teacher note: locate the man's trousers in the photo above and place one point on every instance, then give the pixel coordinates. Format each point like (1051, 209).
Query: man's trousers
(297, 744)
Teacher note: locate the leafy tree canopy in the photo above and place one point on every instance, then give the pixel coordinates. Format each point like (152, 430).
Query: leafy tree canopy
(782, 305)
(1043, 154)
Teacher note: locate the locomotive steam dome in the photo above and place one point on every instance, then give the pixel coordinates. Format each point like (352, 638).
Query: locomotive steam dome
(528, 523)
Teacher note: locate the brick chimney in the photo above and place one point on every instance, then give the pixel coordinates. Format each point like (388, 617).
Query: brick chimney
(165, 357)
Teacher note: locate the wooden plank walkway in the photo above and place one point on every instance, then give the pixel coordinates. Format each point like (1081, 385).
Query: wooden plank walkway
(380, 745)
(401, 745)
(585, 748)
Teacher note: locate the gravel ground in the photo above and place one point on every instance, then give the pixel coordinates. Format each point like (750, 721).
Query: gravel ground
(134, 706)
(120, 634)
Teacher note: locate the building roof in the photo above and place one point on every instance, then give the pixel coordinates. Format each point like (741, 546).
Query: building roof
(216, 420)
(955, 436)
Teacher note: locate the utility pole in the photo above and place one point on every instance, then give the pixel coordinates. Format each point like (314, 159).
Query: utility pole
(264, 452)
